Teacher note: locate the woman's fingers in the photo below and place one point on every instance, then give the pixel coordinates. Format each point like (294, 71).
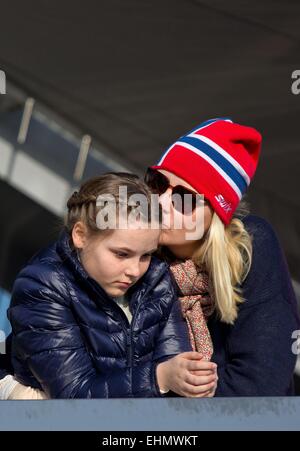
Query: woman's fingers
(202, 372)
(200, 380)
(193, 390)
(191, 355)
(194, 365)
(208, 394)
(191, 376)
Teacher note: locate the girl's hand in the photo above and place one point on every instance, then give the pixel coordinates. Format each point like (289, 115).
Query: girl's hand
(187, 375)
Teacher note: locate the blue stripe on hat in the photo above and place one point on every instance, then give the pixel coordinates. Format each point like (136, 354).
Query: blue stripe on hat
(203, 124)
(224, 164)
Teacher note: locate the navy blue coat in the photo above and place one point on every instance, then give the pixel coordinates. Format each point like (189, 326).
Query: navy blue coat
(72, 340)
(254, 356)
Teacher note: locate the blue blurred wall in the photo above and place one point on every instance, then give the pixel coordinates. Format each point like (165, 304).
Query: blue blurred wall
(4, 304)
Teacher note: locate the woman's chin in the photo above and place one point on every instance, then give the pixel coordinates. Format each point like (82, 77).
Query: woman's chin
(165, 237)
(171, 237)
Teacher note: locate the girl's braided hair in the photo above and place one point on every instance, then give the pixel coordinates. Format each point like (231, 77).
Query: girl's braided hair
(82, 203)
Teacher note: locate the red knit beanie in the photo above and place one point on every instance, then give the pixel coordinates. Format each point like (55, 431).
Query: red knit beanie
(218, 159)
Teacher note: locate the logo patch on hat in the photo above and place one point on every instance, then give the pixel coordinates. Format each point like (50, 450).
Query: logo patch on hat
(223, 203)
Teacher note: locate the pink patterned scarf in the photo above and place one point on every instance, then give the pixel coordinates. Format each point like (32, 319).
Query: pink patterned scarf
(197, 303)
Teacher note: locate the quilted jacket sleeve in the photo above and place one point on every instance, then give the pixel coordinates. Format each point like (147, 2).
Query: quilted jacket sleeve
(172, 340)
(49, 340)
(174, 337)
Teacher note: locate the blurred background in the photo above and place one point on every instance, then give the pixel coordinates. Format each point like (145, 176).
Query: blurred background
(107, 85)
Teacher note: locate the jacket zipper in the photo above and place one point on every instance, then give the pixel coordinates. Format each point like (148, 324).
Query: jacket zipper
(129, 332)
(130, 335)
(130, 340)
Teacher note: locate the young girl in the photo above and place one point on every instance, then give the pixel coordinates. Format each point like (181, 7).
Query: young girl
(95, 316)
(233, 281)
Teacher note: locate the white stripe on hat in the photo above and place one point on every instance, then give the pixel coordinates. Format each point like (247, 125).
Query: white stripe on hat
(195, 130)
(211, 123)
(165, 154)
(226, 155)
(213, 164)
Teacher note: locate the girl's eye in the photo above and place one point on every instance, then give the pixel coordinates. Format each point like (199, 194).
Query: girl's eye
(146, 256)
(121, 254)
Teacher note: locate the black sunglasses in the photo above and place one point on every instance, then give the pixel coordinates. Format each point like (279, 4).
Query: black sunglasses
(159, 184)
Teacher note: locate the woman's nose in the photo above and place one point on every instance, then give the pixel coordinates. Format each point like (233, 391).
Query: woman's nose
(165, 199)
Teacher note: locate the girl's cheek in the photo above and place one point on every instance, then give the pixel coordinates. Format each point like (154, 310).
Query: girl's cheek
(144, 265)
(118, 263)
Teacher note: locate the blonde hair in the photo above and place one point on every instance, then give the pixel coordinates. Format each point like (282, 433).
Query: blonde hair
(226, 253)
(82, 205)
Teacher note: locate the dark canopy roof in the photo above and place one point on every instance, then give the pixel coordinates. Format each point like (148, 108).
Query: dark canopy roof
(136, 74)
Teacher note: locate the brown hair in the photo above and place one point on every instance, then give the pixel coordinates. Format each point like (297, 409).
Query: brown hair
(82, 204)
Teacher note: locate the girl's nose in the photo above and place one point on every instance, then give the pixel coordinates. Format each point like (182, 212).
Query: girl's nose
(133, 270)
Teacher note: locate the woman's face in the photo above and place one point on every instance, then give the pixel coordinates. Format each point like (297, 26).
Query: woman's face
(172, 237)
(116, 260)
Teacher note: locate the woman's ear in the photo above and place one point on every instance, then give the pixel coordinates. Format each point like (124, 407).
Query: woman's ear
(79, 235)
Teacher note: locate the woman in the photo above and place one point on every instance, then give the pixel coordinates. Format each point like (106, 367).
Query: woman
(233, 282)
(94, 315)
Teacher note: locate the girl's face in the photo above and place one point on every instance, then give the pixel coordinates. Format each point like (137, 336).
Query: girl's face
(172, 237)
(116, 260)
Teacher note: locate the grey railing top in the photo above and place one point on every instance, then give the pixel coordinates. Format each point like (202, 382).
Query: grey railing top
(172, 414)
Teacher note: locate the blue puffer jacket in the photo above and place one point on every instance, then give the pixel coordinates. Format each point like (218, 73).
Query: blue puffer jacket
(73, 341)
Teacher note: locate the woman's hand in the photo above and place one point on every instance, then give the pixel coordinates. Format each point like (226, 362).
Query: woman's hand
(188, 375)
(209, 393)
